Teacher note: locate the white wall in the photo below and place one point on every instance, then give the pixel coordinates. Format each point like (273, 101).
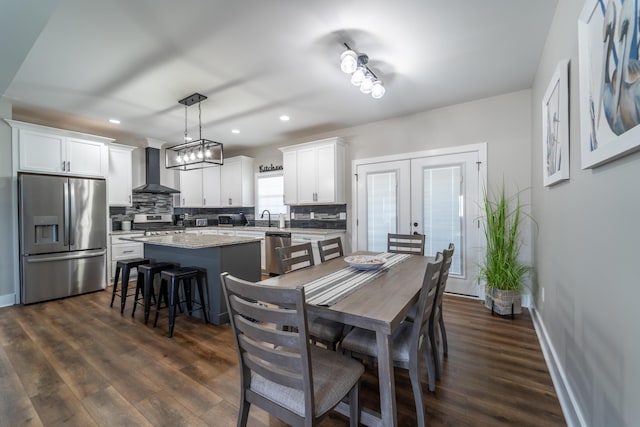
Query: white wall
(7, 210)
(585, 255)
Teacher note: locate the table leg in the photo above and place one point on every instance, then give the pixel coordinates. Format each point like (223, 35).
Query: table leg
(387, 382)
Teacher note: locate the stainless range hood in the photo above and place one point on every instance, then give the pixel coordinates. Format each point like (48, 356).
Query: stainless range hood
(152, 174)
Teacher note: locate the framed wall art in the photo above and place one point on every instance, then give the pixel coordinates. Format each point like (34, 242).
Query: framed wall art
(609, 41)
(555, 127)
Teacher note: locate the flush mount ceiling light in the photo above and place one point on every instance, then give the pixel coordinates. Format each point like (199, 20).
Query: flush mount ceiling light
(194, 154)
(356, 65)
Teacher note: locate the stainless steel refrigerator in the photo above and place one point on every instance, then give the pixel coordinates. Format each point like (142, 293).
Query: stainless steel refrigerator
(63, 236)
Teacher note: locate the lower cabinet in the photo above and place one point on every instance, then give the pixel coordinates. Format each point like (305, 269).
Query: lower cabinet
(124, 249)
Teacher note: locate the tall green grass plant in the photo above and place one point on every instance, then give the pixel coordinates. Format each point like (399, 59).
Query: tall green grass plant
(500, 267)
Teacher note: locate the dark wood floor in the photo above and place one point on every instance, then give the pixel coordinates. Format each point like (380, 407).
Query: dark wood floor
(77, 362)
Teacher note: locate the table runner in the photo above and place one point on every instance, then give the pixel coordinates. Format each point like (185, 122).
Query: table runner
(333, 287)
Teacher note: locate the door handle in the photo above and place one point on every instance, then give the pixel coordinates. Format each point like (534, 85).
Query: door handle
(65, 212)
(68, 166)
(64, 166)
(72, 214)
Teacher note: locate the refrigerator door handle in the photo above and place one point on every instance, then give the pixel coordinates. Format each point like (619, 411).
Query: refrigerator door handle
(72, 214)
(65, 213)
(85, 254)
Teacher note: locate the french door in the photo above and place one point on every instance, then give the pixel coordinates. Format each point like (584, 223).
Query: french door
(436, 195)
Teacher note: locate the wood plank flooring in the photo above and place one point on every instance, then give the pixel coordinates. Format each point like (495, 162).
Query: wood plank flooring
(78, 362)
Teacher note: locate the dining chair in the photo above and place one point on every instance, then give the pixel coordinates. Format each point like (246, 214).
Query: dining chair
(410, 341)
(436, 319)
(280, 371)
(296, 257)
(412, 244)
(330, 248)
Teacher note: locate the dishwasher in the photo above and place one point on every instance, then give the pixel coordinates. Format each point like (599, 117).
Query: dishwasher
(273, 240)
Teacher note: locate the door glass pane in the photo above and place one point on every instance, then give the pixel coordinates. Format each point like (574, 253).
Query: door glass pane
(443, 212)
(382, 209)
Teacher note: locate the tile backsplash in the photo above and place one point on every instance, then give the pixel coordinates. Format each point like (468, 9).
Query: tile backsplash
(319, 216)
(143, 203)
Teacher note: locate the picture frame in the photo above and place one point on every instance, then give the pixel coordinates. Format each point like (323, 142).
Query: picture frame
(555, 127)
(608, 117)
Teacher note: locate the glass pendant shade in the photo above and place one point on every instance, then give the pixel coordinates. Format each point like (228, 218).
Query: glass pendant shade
(367, 85)
(358, 76)
(377, 91)
(348, 61)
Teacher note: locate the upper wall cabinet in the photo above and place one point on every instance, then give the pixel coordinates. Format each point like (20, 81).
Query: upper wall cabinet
(314, 172)
(229, 185)
(49, 150)
(236, 182)
(200, 187)
(120, 174)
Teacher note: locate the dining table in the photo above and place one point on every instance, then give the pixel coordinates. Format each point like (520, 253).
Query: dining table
(380, 303)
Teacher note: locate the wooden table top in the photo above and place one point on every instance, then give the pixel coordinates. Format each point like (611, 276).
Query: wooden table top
(380, 305)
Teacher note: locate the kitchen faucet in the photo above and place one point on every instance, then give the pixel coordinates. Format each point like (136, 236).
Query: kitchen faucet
(262, 215)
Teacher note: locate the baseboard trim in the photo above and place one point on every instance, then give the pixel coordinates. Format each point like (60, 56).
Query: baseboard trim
(570, 408)
(7, 300)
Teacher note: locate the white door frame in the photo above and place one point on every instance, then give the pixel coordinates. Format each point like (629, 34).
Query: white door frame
(479, 148)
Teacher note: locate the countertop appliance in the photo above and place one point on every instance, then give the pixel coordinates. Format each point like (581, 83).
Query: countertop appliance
(232, 220)
(273, 240)
(156, 224)
(63, 236)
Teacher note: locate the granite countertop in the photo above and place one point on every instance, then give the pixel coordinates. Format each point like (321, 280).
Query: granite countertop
(322, 231)
(193, 241)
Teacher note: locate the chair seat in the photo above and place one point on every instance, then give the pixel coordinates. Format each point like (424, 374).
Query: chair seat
(363, 341)
(333, 377)
(325, 329)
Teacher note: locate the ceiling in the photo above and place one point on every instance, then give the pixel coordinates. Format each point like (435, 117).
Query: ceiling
(256, 60)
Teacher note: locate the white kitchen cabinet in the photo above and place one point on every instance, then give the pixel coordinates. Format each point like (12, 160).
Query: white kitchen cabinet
(120, 249)
(191, 188)
(42, 149)
(314, 172)
(299, 238)
(236, 182)
(258, 235)
(220, 186)
(211, 186)
(290, 177)
(120, 174)
(200, 187)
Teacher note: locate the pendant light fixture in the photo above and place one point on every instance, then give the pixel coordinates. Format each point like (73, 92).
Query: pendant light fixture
(361, 75)
(194, 154)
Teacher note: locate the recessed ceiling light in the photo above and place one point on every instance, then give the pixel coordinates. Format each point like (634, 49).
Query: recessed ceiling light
(188, 138)
(235, 131)
(114, 121)
(284, 118)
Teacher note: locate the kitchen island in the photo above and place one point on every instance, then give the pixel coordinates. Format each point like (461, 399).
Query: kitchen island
(238, 255)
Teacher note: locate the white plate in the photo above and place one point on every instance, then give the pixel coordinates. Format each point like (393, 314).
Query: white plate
(365, 262)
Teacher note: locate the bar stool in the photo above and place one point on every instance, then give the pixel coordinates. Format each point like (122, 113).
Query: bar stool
(146, 275)
(125, 265)
(173, 278)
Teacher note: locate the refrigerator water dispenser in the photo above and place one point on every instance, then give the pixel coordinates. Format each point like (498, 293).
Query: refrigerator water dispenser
(46, 229)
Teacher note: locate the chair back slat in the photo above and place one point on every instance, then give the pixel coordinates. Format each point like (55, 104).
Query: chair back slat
(412, 244)
(267, 333)
(282, 357)
(330, 248)
(266, 314)
(295, 257)
(425, 302)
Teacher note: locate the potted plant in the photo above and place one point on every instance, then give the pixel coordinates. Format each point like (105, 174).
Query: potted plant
(500, 267)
